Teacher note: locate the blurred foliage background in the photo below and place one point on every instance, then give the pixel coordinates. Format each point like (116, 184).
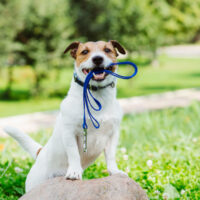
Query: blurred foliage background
(35, 76)
(33, 34)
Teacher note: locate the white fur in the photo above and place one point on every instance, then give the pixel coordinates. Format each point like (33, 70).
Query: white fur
(63, 154)
(24, 140)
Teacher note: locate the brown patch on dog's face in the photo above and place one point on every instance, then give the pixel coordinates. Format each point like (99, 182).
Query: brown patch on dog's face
(73, 48)
(85, 50)
(118, 46)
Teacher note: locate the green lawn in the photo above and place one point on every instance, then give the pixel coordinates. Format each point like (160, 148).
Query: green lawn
(9, 108)
(159, 150)
(173, 73)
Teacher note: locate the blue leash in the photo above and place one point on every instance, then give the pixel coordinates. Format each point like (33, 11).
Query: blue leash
(86, 102)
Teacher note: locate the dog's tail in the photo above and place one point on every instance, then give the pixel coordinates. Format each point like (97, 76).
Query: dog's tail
(27, 143)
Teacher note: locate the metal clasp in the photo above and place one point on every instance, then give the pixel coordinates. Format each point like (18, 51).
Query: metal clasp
(112, 85)
(85, 140)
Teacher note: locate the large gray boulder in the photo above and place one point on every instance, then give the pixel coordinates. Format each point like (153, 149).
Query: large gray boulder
(116, 187)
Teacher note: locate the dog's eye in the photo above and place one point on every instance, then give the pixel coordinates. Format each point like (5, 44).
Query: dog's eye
(107, 50)
(84, 52)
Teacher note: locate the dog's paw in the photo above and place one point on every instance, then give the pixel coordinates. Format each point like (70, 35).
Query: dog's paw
(117, 171)
(74, 173)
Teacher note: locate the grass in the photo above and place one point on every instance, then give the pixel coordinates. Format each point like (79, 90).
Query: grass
(9, 108)
(159, 150)
(173, 74)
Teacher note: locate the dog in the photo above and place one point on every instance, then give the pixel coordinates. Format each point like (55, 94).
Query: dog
(63, 154)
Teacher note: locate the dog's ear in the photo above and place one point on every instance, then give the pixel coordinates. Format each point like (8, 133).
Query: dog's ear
(73, 47)
(118, 46)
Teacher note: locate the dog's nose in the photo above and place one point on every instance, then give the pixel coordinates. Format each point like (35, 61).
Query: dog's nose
(97, 60)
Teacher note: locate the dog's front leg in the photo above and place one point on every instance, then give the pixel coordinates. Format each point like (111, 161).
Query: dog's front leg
(74, 170)
(109, 152)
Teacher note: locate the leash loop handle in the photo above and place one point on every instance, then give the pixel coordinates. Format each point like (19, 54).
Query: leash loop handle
(86, 90)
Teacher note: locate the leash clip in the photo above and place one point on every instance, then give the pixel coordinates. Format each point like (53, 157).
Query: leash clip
(112, 85)
(85, 139)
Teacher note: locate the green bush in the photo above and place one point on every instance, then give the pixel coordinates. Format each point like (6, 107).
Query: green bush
(34, 33)
(140, 25)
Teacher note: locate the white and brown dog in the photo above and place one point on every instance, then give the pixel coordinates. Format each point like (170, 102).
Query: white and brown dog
(63, 154)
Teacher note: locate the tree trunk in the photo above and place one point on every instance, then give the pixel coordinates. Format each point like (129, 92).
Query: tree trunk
(37, 86)
(7, 93)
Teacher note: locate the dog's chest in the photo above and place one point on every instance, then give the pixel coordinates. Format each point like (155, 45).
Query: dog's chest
(109, 118)
(97, 139)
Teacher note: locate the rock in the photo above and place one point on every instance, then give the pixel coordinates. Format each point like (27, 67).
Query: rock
(116, 187)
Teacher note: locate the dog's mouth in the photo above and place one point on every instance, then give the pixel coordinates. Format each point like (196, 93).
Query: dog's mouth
(97, 76)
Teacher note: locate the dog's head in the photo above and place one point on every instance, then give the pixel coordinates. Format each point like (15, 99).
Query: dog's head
(95, 56)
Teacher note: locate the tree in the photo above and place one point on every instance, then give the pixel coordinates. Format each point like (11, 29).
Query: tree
(180, 20)
(36, 32)
(131, 22)
(9, 23)
(89, 19)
